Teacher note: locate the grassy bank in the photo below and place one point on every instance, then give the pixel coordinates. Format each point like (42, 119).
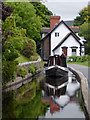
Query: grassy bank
(86, 63)
(81, 60)
(22, 59)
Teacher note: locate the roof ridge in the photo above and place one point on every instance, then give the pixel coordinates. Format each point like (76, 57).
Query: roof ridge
(57, 26)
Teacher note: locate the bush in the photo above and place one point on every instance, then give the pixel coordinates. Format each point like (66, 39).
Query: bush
(21, 71)
(29, 48)
(34, 58)
(32, 70)
(8, 71)
(79, 58)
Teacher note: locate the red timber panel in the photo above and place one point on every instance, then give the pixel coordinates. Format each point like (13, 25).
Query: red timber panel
(65, 50)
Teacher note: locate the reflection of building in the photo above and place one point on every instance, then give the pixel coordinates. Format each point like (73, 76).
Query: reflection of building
(53, 107)
(50, 90)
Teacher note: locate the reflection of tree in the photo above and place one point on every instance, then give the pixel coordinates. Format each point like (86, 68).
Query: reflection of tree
(33, 108)
(8, 105)
(30, 105)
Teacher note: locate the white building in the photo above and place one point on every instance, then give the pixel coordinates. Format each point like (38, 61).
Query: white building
(61, 37)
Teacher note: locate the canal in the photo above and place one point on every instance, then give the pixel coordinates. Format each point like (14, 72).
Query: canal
(42, 98)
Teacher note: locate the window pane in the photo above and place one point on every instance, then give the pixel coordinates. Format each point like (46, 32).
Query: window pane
(73, 50)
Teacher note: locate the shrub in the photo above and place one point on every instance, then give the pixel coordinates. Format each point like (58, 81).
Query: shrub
(36, 68)
(32, 70)
(79, 58)
(29, 48)
(21, 71)
(8, 71)
(34, 58)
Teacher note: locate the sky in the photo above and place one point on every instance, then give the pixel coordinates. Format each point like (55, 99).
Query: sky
(67, 9)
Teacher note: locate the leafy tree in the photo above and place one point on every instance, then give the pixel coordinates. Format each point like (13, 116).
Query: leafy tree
(84, 31)
(29, 48)
(6, 11)
(26, 18)
(13, 39)
(43, 12)
(83, 17)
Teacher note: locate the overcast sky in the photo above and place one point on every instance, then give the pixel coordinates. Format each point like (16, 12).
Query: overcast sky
(67, 9)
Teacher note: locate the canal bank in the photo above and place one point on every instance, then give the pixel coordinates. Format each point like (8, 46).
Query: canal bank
(33, 100)
(19, 81)
(84, 88)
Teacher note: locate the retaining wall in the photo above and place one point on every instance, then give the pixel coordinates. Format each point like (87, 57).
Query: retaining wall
(19, 81)
(84, 88)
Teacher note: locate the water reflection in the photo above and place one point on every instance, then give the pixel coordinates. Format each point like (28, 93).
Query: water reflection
(62, 94)
(44, 98)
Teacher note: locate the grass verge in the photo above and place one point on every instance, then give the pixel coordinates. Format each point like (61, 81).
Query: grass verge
(86, 63)
(23, 59)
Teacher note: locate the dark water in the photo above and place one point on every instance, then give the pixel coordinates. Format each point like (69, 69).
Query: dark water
(41, 99)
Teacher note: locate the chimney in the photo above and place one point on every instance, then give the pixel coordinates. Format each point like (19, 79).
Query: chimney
(54, 20)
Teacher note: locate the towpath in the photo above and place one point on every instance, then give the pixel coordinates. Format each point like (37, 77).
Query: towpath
(83, 69)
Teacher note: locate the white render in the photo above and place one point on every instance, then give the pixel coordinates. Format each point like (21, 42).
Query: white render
(69, 42)
(63, 31)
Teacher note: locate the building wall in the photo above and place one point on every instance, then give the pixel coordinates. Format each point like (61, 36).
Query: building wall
(63, 31)
(69, 42)
(46, 48)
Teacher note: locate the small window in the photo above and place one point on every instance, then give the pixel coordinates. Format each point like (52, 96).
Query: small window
(56, 34)
(74, 52)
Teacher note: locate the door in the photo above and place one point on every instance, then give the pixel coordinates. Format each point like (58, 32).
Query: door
(64, 49)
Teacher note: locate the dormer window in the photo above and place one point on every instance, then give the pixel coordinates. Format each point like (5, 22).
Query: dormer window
(56, 34)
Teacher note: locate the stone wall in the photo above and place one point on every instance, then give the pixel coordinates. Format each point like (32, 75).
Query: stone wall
(84, 88)
(19, 81)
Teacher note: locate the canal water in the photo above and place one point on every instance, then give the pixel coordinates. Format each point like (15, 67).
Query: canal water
(42, 98)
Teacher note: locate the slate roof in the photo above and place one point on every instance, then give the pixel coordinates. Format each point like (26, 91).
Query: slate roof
(76, 30)
(45, 30)
(66, 38)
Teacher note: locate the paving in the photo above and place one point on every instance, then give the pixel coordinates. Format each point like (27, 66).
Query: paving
(83, 69)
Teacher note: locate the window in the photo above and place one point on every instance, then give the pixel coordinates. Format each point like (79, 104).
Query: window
(56, 34)
(74, 51)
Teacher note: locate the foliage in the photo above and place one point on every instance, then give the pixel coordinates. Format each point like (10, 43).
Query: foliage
(83, 20)
(26, 18)
(6, 11)
(84, 31)
(32, 70)
(29, 48)
(8, 73)
(21, 71)
(79, 58)
(43, 12)
(13, 41)
(83, 17)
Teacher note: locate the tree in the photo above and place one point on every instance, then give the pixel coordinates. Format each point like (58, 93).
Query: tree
(83, 17)
(84, 31)
(43, 12)
(26, 18)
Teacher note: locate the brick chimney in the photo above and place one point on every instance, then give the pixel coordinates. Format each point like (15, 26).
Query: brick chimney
(54, 20)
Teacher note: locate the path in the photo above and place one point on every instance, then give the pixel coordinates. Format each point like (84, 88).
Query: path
(85, 70)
